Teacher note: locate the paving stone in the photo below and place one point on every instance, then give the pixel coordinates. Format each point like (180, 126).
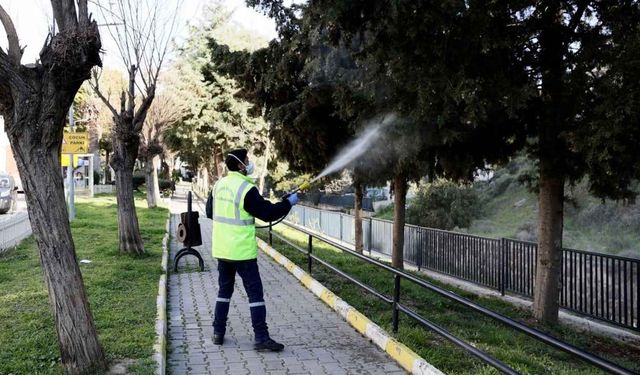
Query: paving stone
(317, 340)
(197, 369)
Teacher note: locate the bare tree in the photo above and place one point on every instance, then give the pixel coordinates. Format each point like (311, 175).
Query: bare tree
(34, 100)
(142, 33)
(164, 112)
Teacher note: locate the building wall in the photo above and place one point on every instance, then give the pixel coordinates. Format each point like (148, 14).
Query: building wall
(7, 162)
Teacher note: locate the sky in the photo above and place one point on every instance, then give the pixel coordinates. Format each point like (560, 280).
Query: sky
(32, 19)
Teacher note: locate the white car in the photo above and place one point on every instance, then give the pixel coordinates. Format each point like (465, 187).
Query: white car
(8, 194)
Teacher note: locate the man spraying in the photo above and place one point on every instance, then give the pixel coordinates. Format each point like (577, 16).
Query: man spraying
(236, 204)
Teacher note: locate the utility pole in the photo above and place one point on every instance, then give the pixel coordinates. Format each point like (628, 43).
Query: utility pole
(71, 182)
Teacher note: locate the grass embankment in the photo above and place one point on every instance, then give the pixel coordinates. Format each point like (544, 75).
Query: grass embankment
(122, 292)
(522, 353)
(506, 208)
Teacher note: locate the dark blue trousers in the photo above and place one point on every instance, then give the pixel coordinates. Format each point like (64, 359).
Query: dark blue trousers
(248, 271)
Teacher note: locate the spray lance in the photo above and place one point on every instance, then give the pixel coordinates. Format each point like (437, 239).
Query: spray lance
(303, 186)
(354, 150)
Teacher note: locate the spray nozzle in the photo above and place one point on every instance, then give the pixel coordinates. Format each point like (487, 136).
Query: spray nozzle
(304, 186)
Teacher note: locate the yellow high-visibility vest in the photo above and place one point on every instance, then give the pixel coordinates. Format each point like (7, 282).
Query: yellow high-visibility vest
(234, 230)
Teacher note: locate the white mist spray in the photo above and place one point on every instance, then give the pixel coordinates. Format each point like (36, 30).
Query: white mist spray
(358, 146)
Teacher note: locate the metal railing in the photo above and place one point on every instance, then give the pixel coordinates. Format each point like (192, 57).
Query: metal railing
(397, 306)
(600, 286)
(342, 201)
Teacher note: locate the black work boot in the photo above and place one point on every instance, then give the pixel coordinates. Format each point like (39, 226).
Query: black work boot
(218, 339)
(268, 345)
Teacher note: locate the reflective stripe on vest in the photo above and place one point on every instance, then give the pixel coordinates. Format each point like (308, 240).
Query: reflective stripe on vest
(234, 232)
(236, 203)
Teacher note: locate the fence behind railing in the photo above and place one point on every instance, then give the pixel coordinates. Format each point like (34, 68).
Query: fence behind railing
(104, 189)
(598, 285)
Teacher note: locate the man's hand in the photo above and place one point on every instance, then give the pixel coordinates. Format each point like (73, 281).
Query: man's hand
(293, 199)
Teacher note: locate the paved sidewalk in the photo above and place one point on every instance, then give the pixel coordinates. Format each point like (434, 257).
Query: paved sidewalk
(317, 340)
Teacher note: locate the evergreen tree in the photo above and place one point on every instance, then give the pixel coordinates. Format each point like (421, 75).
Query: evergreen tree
(215, 119)
(483, 78)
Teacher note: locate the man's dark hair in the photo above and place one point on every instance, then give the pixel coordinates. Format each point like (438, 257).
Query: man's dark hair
(232, 163)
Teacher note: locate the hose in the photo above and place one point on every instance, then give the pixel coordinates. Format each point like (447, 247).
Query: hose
(272, 223)
(303, 186)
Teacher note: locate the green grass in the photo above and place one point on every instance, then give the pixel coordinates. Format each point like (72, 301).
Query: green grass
(508, 209)
(500, 216)
(522, 353)
(385, 213)
(122, 292)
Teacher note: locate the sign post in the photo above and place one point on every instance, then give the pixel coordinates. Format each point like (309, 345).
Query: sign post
(71, 189)
(73, 143)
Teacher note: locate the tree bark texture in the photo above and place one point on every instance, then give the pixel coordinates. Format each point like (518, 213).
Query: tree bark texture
(80, 350)
(125, 152)
(107, 167)
(219, 164)
(399, 201)
(34, 101)
(151, 178)
(550, 226)
(265, 169)
(359, 243)
(551, 168)
(95, 133)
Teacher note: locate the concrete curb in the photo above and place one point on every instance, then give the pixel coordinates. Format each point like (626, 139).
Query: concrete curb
(160, 347)
(406, 357)
(566, 317)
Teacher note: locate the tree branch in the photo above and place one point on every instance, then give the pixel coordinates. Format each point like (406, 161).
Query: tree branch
(132, 90)
(83, 13)
(96, 88)
(14, 52)
(141, 113)
(577, 16)
(64, 12)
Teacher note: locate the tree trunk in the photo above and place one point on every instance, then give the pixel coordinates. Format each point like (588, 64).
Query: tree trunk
(550, 226)
(172, 164)
(151, 178)
(156, 179)
(552, 176)
(95, 133)
(212, 176)
(219, 160)
(39, 166)
(122, 161)
(265, 169)
(359, 244)
(34, 101)
(399, 201)
(107, 172)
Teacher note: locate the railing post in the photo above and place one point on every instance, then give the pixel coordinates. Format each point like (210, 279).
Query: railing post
(340, 227)
(270, 234)
(304, 217)
(309, 251)
(638, 297)
(370, 234)
(503, 274)
(420, 248)
(396, 300)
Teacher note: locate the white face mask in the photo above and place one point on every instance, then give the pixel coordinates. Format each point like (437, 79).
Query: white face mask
(249, 168)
